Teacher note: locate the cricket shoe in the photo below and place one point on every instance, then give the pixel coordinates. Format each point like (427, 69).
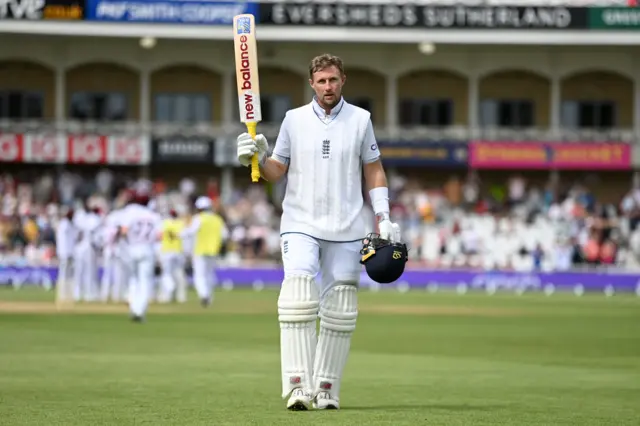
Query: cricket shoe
(324, 401)
(299, 400)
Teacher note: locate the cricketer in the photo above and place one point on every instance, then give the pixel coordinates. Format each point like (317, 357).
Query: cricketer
(324, 147)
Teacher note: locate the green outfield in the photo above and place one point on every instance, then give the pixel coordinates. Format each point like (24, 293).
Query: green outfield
(417, 358)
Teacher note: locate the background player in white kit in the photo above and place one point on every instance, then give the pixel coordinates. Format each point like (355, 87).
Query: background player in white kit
(323, 147)
(141, 228)
(109, 287)
(85, 262)
(66, 238)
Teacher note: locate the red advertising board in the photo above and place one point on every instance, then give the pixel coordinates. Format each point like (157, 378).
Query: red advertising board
(11, 148)
(44, 148)
(74, 149)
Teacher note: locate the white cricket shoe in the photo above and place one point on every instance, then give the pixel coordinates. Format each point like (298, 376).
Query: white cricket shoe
(324, 401)
(299, 400)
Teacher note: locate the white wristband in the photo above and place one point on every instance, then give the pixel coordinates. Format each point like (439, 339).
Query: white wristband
(380, 200)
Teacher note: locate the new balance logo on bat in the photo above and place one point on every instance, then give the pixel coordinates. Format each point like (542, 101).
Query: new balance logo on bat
(326, 148)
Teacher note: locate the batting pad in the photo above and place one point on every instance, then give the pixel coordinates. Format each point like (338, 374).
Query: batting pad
(297, 312)
(338, 314)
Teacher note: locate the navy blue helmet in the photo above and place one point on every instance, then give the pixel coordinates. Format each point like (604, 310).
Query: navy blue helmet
(383, 260)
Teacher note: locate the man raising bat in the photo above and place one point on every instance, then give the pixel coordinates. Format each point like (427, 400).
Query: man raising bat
(323, 147)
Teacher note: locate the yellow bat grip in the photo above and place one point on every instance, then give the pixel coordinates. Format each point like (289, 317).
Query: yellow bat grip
(255, 166)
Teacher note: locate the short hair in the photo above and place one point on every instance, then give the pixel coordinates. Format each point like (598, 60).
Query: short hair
(325, 61)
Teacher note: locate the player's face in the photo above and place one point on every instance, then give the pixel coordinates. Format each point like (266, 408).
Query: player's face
(327, 84)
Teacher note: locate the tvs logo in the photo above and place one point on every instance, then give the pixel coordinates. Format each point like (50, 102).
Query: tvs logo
(326, 148)
(22, 9)
(11, 148)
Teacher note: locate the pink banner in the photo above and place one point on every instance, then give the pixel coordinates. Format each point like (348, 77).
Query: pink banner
(550, 155)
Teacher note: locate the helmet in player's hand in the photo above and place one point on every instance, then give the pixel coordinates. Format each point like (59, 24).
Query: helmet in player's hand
(383, 260)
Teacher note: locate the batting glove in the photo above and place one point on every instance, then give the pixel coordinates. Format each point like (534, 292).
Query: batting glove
(248, 146)
(389, 231)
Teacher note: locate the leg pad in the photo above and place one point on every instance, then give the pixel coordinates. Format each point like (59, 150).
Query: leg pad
(298, 306)
(338, 315)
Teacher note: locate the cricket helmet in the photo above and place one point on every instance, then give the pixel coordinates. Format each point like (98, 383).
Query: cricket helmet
(383, 260)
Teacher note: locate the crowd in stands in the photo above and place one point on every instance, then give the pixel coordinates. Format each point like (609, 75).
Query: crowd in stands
(460, 224)
(518, 226)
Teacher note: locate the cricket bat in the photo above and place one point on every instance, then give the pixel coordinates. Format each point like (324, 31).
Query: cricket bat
(246, 51)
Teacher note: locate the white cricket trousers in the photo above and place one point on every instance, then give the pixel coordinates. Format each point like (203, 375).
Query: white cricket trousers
(141, 265)
(64, 284)
(108, 273)
(115, 276)
(173, 278)
(335, 261)
(85, 271)
(204, 276)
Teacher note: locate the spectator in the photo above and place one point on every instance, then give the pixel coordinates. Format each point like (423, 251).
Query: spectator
(30, 230)
(591, 249)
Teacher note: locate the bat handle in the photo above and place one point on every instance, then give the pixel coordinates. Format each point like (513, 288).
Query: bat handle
(255, 166)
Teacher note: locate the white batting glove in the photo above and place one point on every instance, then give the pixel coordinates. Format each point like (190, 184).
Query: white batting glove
(389, 231)
(248, 146)
(396, 233)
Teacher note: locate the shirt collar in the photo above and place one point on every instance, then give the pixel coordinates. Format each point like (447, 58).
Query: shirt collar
(320, 111)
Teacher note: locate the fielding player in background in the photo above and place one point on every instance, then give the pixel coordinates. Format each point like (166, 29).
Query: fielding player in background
(66, 237)
(85, 262)
(141, 228)
(109, 287)
(208, 232)
(323, 147)
(115, 277)
(172, 260)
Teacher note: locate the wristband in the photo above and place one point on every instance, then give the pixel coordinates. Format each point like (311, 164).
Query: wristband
(380, 200)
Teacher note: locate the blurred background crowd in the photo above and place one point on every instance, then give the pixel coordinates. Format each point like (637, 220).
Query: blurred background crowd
(460, 221)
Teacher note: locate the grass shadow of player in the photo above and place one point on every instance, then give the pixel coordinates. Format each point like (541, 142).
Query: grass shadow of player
(444, 407)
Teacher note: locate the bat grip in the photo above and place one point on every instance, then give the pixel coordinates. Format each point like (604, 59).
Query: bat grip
(255, 166)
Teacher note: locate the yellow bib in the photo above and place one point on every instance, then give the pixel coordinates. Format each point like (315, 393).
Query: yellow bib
(171, 241)
(208, 241)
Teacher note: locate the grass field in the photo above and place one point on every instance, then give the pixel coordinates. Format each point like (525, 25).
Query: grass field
(417, 358)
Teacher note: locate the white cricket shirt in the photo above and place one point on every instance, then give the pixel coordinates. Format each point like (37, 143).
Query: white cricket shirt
(325, 153)
(143, 227)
